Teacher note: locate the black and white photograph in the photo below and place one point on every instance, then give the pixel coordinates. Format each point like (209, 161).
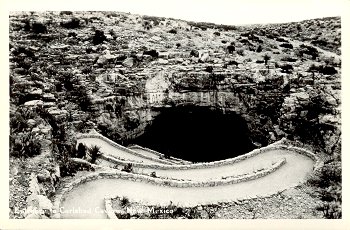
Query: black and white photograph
(205, 110)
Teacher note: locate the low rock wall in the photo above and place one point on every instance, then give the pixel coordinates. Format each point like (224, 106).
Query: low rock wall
(274, 146)
(117, 146)
(174, 159)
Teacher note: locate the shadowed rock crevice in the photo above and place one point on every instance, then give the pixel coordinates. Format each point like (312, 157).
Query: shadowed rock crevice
(198, 134)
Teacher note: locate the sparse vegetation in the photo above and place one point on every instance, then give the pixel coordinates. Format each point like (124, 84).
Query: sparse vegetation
(94, 153)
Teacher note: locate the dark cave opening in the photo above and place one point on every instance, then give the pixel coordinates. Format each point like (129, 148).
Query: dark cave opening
(197, 134)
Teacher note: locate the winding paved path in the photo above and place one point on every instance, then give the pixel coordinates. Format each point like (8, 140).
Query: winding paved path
(90, 195)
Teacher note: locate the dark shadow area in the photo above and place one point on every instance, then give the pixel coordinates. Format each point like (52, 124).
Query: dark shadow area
(197, 134)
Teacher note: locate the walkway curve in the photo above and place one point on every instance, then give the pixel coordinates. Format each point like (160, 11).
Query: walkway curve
(90, 195)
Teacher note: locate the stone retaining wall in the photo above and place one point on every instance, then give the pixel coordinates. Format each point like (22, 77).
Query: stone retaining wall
(120, 147)
(110, 158)
(174, 159)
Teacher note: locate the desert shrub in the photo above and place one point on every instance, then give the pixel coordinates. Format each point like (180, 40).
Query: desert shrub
(216, 33)
(152, 53)
(233, 63)
(72, 34)
(231, 48)
(286, 45)
(146, 25)
(127, 168)
(94, 153)
(266, 58)
(81, 152)
(327, 176)
(172, 31)
(125, 202)
(67, 170)
(18, 119)
(209, 69)
(24, 145)
(328, 70)
(287, 68)
(98, 37)
(73, 23)
(153, 174)
(309, 50)
(328, 181)
(194, 53)
(240, 52)
(66, 13)
(281, 39)
(331, 210)
(259, 49)
(39, 28)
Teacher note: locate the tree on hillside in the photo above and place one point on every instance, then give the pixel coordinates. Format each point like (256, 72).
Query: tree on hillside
(266, 58)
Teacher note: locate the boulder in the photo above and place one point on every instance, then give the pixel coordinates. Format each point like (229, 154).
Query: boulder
(33, 103)
(203, 56)
(102, 60)
(31, 122)
(49, 97)
(44, 176)
(129, 62)
(37, 92)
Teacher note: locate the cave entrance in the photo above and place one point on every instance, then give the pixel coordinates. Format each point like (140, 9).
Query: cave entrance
(197, 134)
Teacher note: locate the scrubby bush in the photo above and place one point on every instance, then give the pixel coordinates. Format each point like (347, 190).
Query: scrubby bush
(327, 70)
(240, 52)
(233, 62)
(259, 49)
(281, 39)
(194, 53)
(330, 174)
(328, 182)
(39, 28)
(287, 68)
(152, 53)
(153, 174)
(172, 31)
(73, 23)
(94, 153)
(286, 45)
(231, 48)
(146, 25)
(24, 145)
(81, 152)
(124, 202)
(127, 168)
(98, 37)
(266, 58)
(209, 69)
(309, 50)
(66, 13)
(216, 33)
